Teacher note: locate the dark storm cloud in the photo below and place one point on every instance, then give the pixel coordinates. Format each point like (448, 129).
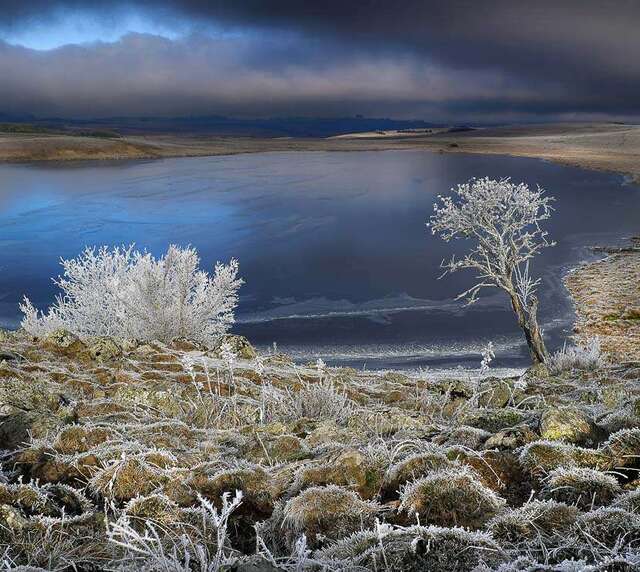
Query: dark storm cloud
(487, 58)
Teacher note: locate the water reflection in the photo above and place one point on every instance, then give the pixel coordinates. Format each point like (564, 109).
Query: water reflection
(333, 246)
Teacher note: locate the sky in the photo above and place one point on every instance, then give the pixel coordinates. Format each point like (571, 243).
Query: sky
(461, 61)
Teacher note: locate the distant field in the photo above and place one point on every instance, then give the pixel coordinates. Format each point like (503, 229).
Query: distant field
(605, 147)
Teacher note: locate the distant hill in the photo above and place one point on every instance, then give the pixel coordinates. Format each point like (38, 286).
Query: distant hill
(221, 126)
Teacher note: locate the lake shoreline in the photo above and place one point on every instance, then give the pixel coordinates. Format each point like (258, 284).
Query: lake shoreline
(613, 148)
(607, 301)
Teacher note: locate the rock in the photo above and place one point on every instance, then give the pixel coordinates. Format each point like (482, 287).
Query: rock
(570, 424)
(350, 469)
(495, 393)
(17, 429)
(104, 348)
(494, 419)
(511, 438)
(64, 342)
(239, 345)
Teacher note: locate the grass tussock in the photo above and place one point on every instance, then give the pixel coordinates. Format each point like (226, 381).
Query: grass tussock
(131, 455)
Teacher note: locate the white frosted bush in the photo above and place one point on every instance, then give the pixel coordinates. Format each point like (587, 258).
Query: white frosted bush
(588, 357)
(126, 293)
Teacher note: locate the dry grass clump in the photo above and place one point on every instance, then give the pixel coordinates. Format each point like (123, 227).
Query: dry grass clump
(450, 497)
(127, 478)
(533, 519)
(629, 501)
(417, 465)
(541, 457)
(584, 488)
(80, 438)
(606, 529)
(319, 401)
(330, 512)
(586, 357)
(255, 484)
(624, 448)
(416, 549)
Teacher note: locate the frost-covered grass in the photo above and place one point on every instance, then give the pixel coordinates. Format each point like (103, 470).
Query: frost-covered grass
(586, 357)
(131, 461)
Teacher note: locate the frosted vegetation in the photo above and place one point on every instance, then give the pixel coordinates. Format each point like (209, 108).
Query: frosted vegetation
(501, 220)
(136, 435)
(126, 293)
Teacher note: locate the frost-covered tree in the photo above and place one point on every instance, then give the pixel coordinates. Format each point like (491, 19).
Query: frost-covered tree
(501, 219)
(130, 294)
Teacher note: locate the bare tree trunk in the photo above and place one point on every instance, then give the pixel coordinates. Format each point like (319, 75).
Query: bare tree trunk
(528, 321)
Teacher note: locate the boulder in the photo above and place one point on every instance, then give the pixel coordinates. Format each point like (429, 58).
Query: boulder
(239, 345)
(64, 342)
(511, 438)
(104, 348)
(570, 424)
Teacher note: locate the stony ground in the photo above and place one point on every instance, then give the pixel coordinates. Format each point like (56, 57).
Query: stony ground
(607, 297)
(129, 456)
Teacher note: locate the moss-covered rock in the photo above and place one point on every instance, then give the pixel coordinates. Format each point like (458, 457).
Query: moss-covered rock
(493, 420)
(350, 468)
(511, 438)
(570, 424)
(64, 342)
(239, 345)
(104, 348)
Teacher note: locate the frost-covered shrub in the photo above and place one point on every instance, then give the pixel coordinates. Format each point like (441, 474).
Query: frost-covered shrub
(451, 497)
(125, 293)
(587, 357)
(321, 401)
(501, 220)
(585, 488)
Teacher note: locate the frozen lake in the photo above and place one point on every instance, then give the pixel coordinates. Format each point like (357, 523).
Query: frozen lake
(337, 260)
